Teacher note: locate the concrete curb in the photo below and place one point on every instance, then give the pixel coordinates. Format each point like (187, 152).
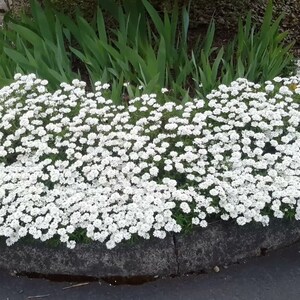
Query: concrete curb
(218, 244)
(225, 243)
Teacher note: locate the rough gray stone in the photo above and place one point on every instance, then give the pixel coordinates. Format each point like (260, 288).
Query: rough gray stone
(145, 258)
(226, 242)
(218, 244)
(298, 67)
(3, 5)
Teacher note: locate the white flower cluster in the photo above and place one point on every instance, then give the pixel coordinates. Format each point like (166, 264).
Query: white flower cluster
(72, 159)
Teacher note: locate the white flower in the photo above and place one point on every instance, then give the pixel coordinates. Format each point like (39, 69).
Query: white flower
(203, 223)
(72, 159)
(284, 90)
(185, 207)
(269, 88)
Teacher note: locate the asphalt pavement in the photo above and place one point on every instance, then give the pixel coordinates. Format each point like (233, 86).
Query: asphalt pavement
(275, 276)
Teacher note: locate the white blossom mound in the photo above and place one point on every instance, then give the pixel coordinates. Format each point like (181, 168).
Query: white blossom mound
(73, 160)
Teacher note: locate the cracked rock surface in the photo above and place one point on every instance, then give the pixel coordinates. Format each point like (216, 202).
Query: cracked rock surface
(219, 244)
(275, 276)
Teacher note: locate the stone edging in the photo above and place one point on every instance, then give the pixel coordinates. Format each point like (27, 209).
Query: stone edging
(218, 244)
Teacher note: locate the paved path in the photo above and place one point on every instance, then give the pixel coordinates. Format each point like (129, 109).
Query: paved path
(275, 276)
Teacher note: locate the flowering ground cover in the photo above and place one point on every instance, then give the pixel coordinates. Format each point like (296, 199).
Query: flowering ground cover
(73, 163)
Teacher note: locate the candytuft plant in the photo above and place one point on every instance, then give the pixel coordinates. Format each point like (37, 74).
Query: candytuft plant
(76, 167)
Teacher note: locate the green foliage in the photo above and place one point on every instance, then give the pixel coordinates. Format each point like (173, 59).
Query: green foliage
(144, 48)
(258, 55)
(255, 54)
(207, 70)
(7, 67)
(37, 45)
(151, 52)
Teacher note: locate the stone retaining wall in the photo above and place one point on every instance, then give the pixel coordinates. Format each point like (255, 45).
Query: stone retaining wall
(219, 244)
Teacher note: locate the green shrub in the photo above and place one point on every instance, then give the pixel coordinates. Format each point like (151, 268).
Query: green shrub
(256, 54)
(149, 52)
(36, 44)
(259, 55)
(74, 167)
(145, 49)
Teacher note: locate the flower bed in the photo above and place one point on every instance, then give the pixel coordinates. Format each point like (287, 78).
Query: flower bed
(74, 166)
